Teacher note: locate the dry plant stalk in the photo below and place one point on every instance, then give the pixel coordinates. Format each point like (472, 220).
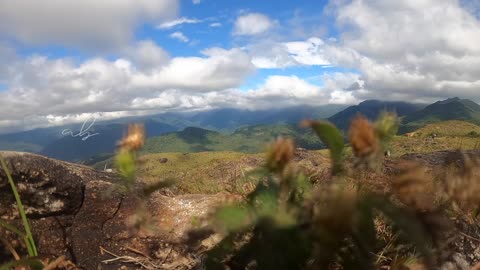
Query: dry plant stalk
(135, 138)
(363, 137)
(280, 154)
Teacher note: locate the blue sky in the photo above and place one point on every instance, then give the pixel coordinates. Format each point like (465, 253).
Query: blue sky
(64, 61)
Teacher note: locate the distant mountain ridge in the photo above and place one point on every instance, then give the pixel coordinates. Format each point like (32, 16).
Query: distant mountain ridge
(231, 119)
(51, 142)
(449, 109)
(230, 129)
(371, 109)
(75, 149)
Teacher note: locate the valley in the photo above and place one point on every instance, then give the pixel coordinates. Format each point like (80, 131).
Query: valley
(242, 130)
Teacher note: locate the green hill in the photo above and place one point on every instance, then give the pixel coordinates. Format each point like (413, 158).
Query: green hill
(454, 128)
(448, 135)
(252, 139)
(450, 109)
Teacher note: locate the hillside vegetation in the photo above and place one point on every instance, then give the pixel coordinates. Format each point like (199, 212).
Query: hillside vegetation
(438, 136)
(450, 109)
(204, 172)
(252, 139)
(214, 171)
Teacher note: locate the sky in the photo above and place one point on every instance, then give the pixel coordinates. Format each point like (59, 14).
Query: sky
(67, 61)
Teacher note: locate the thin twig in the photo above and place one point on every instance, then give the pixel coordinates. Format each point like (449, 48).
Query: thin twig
(138, 252)
(10, 248)
(470, 237)
(129, 259)
(55, 263)
(168, 255)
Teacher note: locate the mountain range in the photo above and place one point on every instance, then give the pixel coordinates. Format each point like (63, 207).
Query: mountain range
(227, 129)
(371, 109)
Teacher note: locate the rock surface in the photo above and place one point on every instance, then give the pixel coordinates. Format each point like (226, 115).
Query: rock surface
(71, 213)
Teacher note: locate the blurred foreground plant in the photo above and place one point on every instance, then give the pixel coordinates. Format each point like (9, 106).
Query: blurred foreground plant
(286, 223)
(126, 161)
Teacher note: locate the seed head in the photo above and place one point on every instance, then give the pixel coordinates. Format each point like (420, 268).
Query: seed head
(363, 137)
(280, 154)
(135, 138)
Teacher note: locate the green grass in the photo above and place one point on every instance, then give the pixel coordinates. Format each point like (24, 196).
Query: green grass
(252, 139)
(449, 128)
(449, 135)
(451, 109)
(204, 172)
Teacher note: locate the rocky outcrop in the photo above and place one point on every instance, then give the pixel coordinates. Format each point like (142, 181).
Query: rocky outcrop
(73, 212)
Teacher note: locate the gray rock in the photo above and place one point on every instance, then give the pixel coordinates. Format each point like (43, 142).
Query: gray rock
(72, 213)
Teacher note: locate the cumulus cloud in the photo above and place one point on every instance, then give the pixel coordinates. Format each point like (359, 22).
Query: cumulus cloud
(146, 55)
(176, 22)
(291, 90)
(286, 54)
(39, 87)
(409, 50)
(179, 36)
(88, 24)
(53, 92)
(252, 24)
(276, 91)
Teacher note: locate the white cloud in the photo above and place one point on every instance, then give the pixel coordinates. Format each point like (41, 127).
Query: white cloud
(196, 2)
(400, 50)
(275, 92)
(308, 52)
(279, 91)
(41, 87)
(146, 55)
(218, 70)
(286, 54)
(215, 24)
(179, 36)
(110, 89)
(176, 22)
(252, 24)
(88, 24)
(409, 50)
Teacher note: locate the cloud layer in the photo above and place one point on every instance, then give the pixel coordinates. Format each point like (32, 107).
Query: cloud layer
(90, 24)
(397, 50)
(409, 50)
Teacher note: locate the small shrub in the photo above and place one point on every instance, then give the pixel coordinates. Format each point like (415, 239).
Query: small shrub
(473, 134)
